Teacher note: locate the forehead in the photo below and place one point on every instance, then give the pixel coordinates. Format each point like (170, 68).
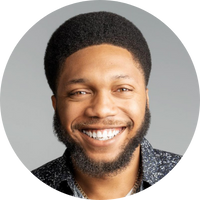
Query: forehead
(105, 60)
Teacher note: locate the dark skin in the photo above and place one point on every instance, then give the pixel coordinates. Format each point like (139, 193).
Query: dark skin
(104, 82)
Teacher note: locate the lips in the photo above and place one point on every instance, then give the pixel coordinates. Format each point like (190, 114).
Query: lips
(102, 134)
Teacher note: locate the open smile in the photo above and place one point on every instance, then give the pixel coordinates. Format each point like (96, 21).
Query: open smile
(102, 134)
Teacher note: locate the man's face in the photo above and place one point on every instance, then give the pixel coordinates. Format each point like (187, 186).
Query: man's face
(101, 100)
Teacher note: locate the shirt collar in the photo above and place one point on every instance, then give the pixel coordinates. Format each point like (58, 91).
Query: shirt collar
(150, 163)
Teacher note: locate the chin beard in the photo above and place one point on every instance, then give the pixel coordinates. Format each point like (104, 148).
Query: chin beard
(100, 168)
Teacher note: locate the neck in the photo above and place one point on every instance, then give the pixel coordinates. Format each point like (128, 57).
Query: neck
(110, 187)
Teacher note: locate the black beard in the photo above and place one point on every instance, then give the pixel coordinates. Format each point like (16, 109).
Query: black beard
(99, 168)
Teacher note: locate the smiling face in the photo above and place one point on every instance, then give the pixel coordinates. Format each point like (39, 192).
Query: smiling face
(101, 100)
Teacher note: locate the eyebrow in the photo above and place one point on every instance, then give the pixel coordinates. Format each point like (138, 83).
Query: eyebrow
(76, 81)
(84, 80)
(121, 77)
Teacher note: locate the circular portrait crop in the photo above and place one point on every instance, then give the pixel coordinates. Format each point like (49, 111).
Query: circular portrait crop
(99, 100)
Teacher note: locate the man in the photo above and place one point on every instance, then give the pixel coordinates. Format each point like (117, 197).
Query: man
(98, 66)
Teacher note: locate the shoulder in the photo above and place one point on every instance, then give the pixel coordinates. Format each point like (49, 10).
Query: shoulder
(156, 163)
(156, 157)
(57, 173)
(168, 157)
(166, 161)
(47, 172)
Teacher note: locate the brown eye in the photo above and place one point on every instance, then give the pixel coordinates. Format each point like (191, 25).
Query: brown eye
(78, 93)
(123, 90)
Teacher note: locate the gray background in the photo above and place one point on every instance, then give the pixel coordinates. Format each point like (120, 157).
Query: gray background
(25, 96)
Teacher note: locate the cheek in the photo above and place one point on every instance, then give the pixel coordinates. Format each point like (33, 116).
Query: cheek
(69, 113)
(135, 110)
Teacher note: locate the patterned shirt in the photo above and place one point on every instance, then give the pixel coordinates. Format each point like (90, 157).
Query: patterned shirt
(59, 173)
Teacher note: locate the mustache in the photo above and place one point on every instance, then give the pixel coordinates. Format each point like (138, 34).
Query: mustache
(103, 122)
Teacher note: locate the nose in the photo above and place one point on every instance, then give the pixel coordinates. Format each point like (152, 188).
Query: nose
(102, 105)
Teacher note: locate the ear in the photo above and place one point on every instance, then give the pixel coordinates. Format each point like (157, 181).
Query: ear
(147, 96)
(53, 99)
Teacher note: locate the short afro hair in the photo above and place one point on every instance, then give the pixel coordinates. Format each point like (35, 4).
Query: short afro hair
(94, 29)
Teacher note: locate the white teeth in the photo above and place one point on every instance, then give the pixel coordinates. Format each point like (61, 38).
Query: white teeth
(90, 133)
(99, 134)
(94, 135)
(110, 133)
(103, 134)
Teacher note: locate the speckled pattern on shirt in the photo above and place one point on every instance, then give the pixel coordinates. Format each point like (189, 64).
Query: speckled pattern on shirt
(59, 174)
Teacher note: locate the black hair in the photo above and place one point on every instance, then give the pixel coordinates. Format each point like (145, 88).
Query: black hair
(93, 29)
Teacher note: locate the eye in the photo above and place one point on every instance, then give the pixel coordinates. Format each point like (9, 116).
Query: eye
(77, 93)
(123, 90)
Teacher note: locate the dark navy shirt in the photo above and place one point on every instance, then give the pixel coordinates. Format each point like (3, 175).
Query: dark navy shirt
(59, 174)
